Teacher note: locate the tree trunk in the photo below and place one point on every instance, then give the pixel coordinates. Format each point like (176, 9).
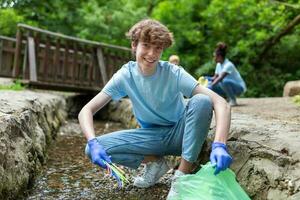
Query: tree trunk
(275, 39)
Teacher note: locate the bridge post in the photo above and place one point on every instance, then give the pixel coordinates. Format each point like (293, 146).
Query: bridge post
(25, 62)
(32, 60)
(16, 68)
(102, 65)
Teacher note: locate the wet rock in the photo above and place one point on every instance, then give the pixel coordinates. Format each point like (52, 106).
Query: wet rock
(121, 111)
(28, 122)
(291, 88)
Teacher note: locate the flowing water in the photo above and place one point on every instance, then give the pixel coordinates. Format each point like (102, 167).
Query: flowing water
(69, 174)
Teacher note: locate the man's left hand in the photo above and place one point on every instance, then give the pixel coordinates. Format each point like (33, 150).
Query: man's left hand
(220, 157)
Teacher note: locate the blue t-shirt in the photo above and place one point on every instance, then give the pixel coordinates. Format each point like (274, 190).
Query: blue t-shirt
(233, 74)
(157, 99)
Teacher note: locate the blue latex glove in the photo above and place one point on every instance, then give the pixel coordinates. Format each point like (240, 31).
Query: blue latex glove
(98, 153)
(220, 157)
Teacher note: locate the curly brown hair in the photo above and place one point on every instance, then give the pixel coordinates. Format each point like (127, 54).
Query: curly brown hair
(152, 31)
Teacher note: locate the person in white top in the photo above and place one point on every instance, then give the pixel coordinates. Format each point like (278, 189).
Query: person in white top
(227, 81)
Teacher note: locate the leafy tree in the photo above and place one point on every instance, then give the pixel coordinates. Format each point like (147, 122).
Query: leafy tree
(245, 25)
(263, 35)
(254, 22)
(183, 20)
(54, 15)
(108, 21)
(8, 21)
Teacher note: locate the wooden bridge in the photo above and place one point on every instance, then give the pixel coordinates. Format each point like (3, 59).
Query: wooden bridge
(51, 60)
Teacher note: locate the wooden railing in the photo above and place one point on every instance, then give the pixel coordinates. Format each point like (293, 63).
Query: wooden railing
(7, 51)
(52, 60)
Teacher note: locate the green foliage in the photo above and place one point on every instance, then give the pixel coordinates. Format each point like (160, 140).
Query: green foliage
(207, 69)
(17, 86)
(108, 21)
(54, 15)
(286, 54)
(245, 25)
(182, 19)
(266, 81)
(296, 99)
(8, 21)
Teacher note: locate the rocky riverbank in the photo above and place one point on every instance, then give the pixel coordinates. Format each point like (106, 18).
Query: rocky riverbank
(28, 123)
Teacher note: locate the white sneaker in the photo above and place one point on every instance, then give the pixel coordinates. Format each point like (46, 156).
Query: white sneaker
(173, 193)
(152, 172)
(232, 102)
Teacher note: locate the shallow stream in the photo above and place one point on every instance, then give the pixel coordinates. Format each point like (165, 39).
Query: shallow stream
(69, 174)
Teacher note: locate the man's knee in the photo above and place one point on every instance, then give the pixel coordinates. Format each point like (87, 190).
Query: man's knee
(201, 101)
(236, 89)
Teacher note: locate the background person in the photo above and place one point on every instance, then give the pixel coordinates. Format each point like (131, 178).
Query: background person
(227, 81)
(174, 59)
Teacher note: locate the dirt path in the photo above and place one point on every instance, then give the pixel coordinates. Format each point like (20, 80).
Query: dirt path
(277, 108)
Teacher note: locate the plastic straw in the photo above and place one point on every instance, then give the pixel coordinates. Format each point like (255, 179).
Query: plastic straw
(116, 172)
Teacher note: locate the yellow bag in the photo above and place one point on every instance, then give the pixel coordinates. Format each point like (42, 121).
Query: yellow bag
(203, 81)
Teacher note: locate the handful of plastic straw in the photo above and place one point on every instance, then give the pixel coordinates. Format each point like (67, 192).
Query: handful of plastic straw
(115, 171)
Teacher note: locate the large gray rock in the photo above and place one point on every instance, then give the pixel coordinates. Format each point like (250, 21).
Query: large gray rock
(264, 142)
(28, 123)
(291, 88)
(121, 111)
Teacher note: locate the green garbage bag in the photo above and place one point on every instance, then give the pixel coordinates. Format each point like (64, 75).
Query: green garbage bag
(204, 185)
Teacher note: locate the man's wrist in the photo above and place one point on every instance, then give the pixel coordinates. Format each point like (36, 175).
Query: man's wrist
(219, 144)
(222, 138)
(92, 140)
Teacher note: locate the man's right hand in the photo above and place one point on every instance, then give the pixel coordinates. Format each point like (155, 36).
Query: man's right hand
(98, 153)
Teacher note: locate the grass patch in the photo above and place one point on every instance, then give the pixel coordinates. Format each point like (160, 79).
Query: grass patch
(296, 99)
(17, 86)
